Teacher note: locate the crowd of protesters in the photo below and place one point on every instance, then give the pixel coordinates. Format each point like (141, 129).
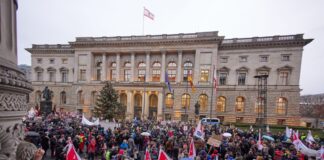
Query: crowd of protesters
(126, 141)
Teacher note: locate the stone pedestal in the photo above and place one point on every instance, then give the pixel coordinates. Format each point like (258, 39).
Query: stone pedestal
(45, 107)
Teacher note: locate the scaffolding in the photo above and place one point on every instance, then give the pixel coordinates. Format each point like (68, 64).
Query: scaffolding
(262, 100)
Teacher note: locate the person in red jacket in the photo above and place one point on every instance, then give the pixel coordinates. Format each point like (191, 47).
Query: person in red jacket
(81, 143)
(278, 154)
(92, 149)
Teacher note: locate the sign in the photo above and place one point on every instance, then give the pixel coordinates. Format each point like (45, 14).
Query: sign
(185, 128)
(214, 142)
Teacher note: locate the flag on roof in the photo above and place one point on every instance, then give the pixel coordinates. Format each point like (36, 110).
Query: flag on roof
(148, 14)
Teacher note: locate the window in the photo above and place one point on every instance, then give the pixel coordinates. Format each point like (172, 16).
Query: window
(172, 69)
(239, 104)
(221, 104)
(64, 76)
(142, 64)
(204, 74)
(281, 121)
(80, 98)
(187, 70)
(39, 76)
(39, 60)
(156, 73)
(241, 79)
(243, 58)
(285, 57)
(223, 59)
(203, 102)
(239, 119)
(52, 76)
(94, 97)
(282, 105)
(283, 77)
(127, 75)
(98, 71)
(63, 97)
(185, 101)
(123, 99)
(82, 74)
(169, 100)
(141, 75)
(64, 60)
(113, 64)
(128, 64)
(51, 61)
(222, 78)
(264, 58)
(113, 75)
(156, 64)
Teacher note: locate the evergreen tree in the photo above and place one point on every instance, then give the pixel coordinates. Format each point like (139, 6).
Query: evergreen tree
(107, 105)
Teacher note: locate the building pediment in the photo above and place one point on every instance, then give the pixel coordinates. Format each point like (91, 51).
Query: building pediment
(285, 68)
(263, 68)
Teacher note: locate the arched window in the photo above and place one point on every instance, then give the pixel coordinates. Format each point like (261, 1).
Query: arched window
(123, 99)
(38, 96)
(80, 98)
(282, 104)
(141, 71)
(169, 100)
(128, 64)
(221, 104)
(239, 104)
(63, 97)
(172, 71)
(138, 100)
(203, 102)
(94, 97)
(156, 71)
(187, 70)
(113, 64)
(153, 101)
(185, 100)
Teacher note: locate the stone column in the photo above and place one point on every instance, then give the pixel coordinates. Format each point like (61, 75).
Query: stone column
(147, 104)
(133, 67)
(197, 67)
(104, 67)
(162, 77)
(160, 106)
(179, 75)
(118, 66)
(147, 70)
(76, 68)
(130, 106)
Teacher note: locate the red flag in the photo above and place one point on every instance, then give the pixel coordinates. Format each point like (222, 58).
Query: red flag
(148, 14)
(72, 154)
(192, 149)
(147, 155)
(163, 156)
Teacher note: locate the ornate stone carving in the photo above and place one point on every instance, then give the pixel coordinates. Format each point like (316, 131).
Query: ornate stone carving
(13, 102)
(12, 77)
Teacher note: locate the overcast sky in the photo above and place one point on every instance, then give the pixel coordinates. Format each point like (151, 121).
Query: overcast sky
(60, 21)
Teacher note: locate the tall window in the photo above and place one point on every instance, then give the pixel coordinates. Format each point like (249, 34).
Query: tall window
(172, 70)
(204, 74)
(187, 70)
(222, 78)
(51, 76)
(169, 100)
(185, 100)
(80, 98)
(94, 96)
(239, 104)
(156, 72)
(113, 73)
(282, 105)
(63, 97)
(221, 104)
(82, 74)
(39, 76)
(141, 71)
(241, 79)
(203, 102)
(283, 77)
(64, 74)
(127, 75)
(98, 73)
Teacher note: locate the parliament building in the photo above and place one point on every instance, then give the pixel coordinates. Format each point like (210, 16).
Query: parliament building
(137, 67)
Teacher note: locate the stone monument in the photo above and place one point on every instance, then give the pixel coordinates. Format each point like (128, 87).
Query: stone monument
(46, 105)
(14, 88)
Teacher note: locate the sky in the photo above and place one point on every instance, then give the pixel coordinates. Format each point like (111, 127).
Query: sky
(60, 21)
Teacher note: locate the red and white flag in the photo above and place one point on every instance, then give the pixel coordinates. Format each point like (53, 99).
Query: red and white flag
(260, 147)
(148, 14)
(192, 149)
(199, 132)
(147, 155)
(163, 156)
(72, 154)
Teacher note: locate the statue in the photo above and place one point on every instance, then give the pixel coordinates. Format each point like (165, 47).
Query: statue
(197, 108)
(47, 94)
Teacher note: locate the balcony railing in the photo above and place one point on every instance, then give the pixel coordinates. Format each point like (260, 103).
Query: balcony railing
(51, 46)
(263, 39)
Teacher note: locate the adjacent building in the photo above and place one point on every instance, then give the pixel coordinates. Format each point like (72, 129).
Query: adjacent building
(138, 67)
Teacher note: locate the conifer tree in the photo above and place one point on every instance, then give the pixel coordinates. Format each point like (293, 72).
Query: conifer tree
(107, 105)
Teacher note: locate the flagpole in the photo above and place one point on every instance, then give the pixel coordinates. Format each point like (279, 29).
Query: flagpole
(143, 22)
(212, 94)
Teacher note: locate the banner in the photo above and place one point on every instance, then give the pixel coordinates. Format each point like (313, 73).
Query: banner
(214, 142)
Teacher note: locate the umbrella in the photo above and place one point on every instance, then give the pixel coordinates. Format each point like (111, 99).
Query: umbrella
(32, 134)
(226, 134)
(267, 138)
(145, 134)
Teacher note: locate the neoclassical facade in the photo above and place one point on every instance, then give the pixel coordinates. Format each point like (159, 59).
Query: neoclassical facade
(138, 65)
